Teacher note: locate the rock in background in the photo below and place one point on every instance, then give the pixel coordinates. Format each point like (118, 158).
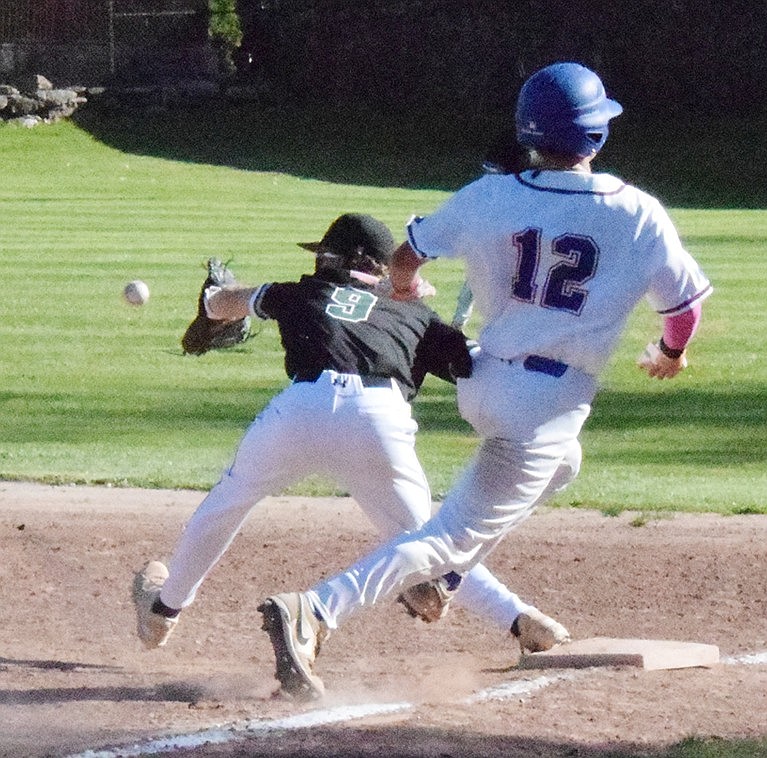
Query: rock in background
(36, 101)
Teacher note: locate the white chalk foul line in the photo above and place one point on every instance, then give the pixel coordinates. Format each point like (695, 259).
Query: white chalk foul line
(520, 689)
(226, 733)
(749, 659)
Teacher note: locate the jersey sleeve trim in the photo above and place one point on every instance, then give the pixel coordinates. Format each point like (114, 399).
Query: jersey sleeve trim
(687, 304)
(414, 221)
(255, 302)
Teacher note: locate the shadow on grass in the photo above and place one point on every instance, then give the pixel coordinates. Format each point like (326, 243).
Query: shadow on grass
(345, 147)
(684, 164)
(726, 428)
(737, 409)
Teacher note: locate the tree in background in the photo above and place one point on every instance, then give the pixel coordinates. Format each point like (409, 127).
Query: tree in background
(225, 32)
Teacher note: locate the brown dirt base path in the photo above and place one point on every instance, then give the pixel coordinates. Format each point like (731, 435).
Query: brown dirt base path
(74, 679)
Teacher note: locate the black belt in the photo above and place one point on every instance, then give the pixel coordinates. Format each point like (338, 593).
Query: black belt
(367, 381)
(544, 365)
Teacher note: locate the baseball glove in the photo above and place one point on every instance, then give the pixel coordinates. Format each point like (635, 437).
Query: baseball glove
(205, 333)
(429, 601)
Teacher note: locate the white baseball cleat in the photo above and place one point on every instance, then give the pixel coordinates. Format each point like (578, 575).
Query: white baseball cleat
(153, 628)
(537, 632)
(296, 635)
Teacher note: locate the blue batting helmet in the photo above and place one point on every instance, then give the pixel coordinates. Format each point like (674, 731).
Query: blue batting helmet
(563, 108)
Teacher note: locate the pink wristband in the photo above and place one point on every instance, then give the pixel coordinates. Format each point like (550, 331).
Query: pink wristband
(678, 330)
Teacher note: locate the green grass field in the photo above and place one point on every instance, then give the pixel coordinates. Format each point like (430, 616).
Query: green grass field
(96, 391)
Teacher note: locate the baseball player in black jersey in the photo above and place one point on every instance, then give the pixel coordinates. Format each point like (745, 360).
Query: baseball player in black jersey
(355, 358)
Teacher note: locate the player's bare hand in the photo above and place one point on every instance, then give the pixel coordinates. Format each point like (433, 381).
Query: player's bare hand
(425, 289)
(660, 366)
(421, 288)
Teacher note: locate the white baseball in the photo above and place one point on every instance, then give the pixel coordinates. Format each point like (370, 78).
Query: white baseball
(136, 292)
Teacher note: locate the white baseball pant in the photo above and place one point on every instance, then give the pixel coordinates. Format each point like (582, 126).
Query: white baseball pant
(530, 423)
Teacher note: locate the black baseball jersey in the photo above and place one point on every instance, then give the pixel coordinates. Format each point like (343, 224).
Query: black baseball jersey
(329, 320)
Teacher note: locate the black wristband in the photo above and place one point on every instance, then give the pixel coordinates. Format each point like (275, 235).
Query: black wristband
(669, 352)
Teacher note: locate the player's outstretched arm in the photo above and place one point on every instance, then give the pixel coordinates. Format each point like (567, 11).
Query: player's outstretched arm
(228, 303)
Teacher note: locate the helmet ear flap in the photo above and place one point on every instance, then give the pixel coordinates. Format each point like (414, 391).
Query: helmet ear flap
(598, 138)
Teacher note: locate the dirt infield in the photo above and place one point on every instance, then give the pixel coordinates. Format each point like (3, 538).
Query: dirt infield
(75, 679)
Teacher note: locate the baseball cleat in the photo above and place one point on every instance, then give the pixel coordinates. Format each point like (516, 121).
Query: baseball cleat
(537, 632)
(429, 601)
(153, 628)
(296, 635)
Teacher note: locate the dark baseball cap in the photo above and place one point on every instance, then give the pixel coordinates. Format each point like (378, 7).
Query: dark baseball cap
(353, 235)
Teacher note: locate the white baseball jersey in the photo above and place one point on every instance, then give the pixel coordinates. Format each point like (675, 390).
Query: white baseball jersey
(557, 260)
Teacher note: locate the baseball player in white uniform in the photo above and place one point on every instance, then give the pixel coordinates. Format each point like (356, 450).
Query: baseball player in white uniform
(557, 257)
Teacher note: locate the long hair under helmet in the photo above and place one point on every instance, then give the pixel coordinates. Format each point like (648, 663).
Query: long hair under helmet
(563, 108)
